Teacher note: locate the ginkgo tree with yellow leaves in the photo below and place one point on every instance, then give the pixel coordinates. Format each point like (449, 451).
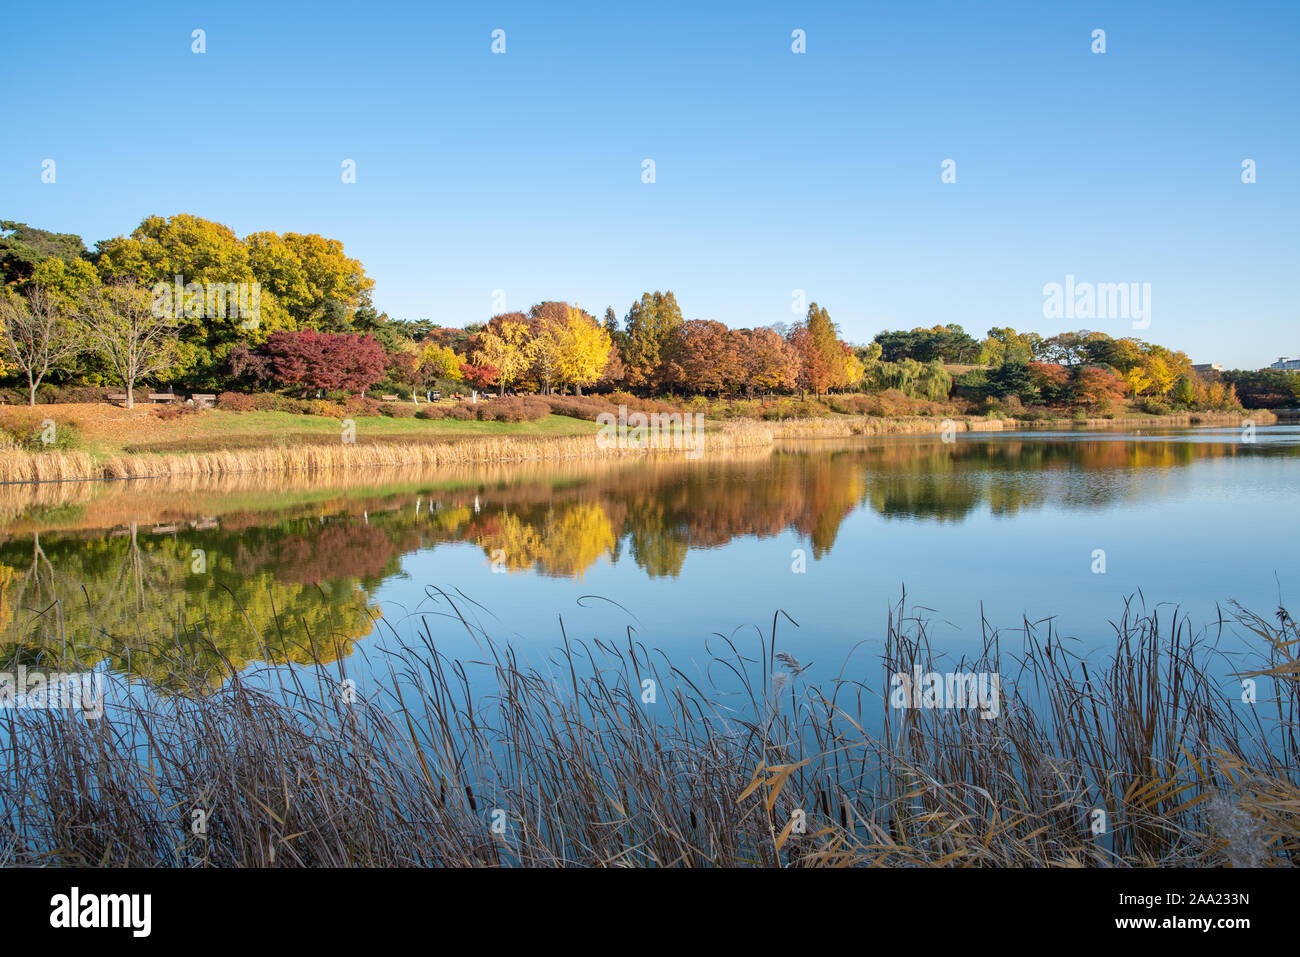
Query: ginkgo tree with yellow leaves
(507, 344)
(584, 348)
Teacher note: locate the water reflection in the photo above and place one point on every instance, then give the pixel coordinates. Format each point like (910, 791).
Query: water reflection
(152, 575)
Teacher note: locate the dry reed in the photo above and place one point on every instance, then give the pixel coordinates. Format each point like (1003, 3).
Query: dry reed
(19, 466)
(578, 770)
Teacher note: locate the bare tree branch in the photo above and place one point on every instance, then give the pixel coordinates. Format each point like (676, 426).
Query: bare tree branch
(37, 335)
(136, 339)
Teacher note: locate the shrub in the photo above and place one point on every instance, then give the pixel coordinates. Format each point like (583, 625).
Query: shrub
(364, 406)
(1154, 406)
(398, 410)
(236, 402)
(513, 409)
(589, 407)
(47, 393)
(169, 413)
(431, 412)
(333, 410)
(65, 438)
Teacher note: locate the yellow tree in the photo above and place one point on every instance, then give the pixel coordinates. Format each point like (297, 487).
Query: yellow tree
(546, 351)
(854, 369)
(507, 345)
(438, 362)
(584, 348)
(1161, 374)
(1138, 380)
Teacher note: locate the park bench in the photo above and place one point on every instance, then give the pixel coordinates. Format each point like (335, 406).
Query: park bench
(117, 397)
(162, 397)
(205, 399)
(389, 398)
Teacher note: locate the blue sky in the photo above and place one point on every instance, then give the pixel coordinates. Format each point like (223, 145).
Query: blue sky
(774, 171)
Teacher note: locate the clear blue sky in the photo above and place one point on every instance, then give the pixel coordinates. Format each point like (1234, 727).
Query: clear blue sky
(775, 171)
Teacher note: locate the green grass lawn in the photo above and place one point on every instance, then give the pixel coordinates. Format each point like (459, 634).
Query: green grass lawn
(216, 429)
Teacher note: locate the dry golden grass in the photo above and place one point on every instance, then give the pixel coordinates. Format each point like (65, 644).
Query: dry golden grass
(719, 771)
(17, 465)
(847, 426)
(114, 428)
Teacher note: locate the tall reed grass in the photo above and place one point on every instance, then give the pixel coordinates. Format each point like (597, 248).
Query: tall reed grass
(19, 466)
(577, 769)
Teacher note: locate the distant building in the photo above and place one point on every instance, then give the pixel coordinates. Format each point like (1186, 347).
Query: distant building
(1208, 368)
(1286, 365)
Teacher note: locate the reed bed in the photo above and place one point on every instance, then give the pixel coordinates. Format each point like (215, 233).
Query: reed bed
(574, 767)
(850, 425)
(20, 466)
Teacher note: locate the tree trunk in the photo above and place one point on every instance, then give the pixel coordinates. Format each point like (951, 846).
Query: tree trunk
(31, 392)
(130, 395)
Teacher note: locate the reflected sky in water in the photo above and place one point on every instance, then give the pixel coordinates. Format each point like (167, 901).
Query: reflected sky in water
(1006, 523)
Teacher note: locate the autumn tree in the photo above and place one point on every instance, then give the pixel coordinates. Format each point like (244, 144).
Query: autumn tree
(768, 361)
(614, 374)
(37, 336)
(311, 277)
(814, 373)
(584, 348)
(324, 360)
(821, 354)
(1004, 344)
(480, 376)
(1051, 380)
(653, 326)
(709, 358)
(299, 281)
(136, 340)
(545, 322)
(506, 345)
(1097, 388)
(437, 362)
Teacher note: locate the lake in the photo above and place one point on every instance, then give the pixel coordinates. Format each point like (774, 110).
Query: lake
(1026, 525)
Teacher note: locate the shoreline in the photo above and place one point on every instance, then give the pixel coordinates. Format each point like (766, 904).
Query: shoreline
(20, 467)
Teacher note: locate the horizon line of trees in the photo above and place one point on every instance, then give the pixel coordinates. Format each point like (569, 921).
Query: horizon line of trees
(75, 316)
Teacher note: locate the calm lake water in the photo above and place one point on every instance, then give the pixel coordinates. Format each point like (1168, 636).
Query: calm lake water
(1010, 526)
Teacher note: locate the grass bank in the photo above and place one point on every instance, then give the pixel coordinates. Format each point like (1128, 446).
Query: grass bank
(574, 766)
(105, 442)
(848, 425)
(319, 456)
